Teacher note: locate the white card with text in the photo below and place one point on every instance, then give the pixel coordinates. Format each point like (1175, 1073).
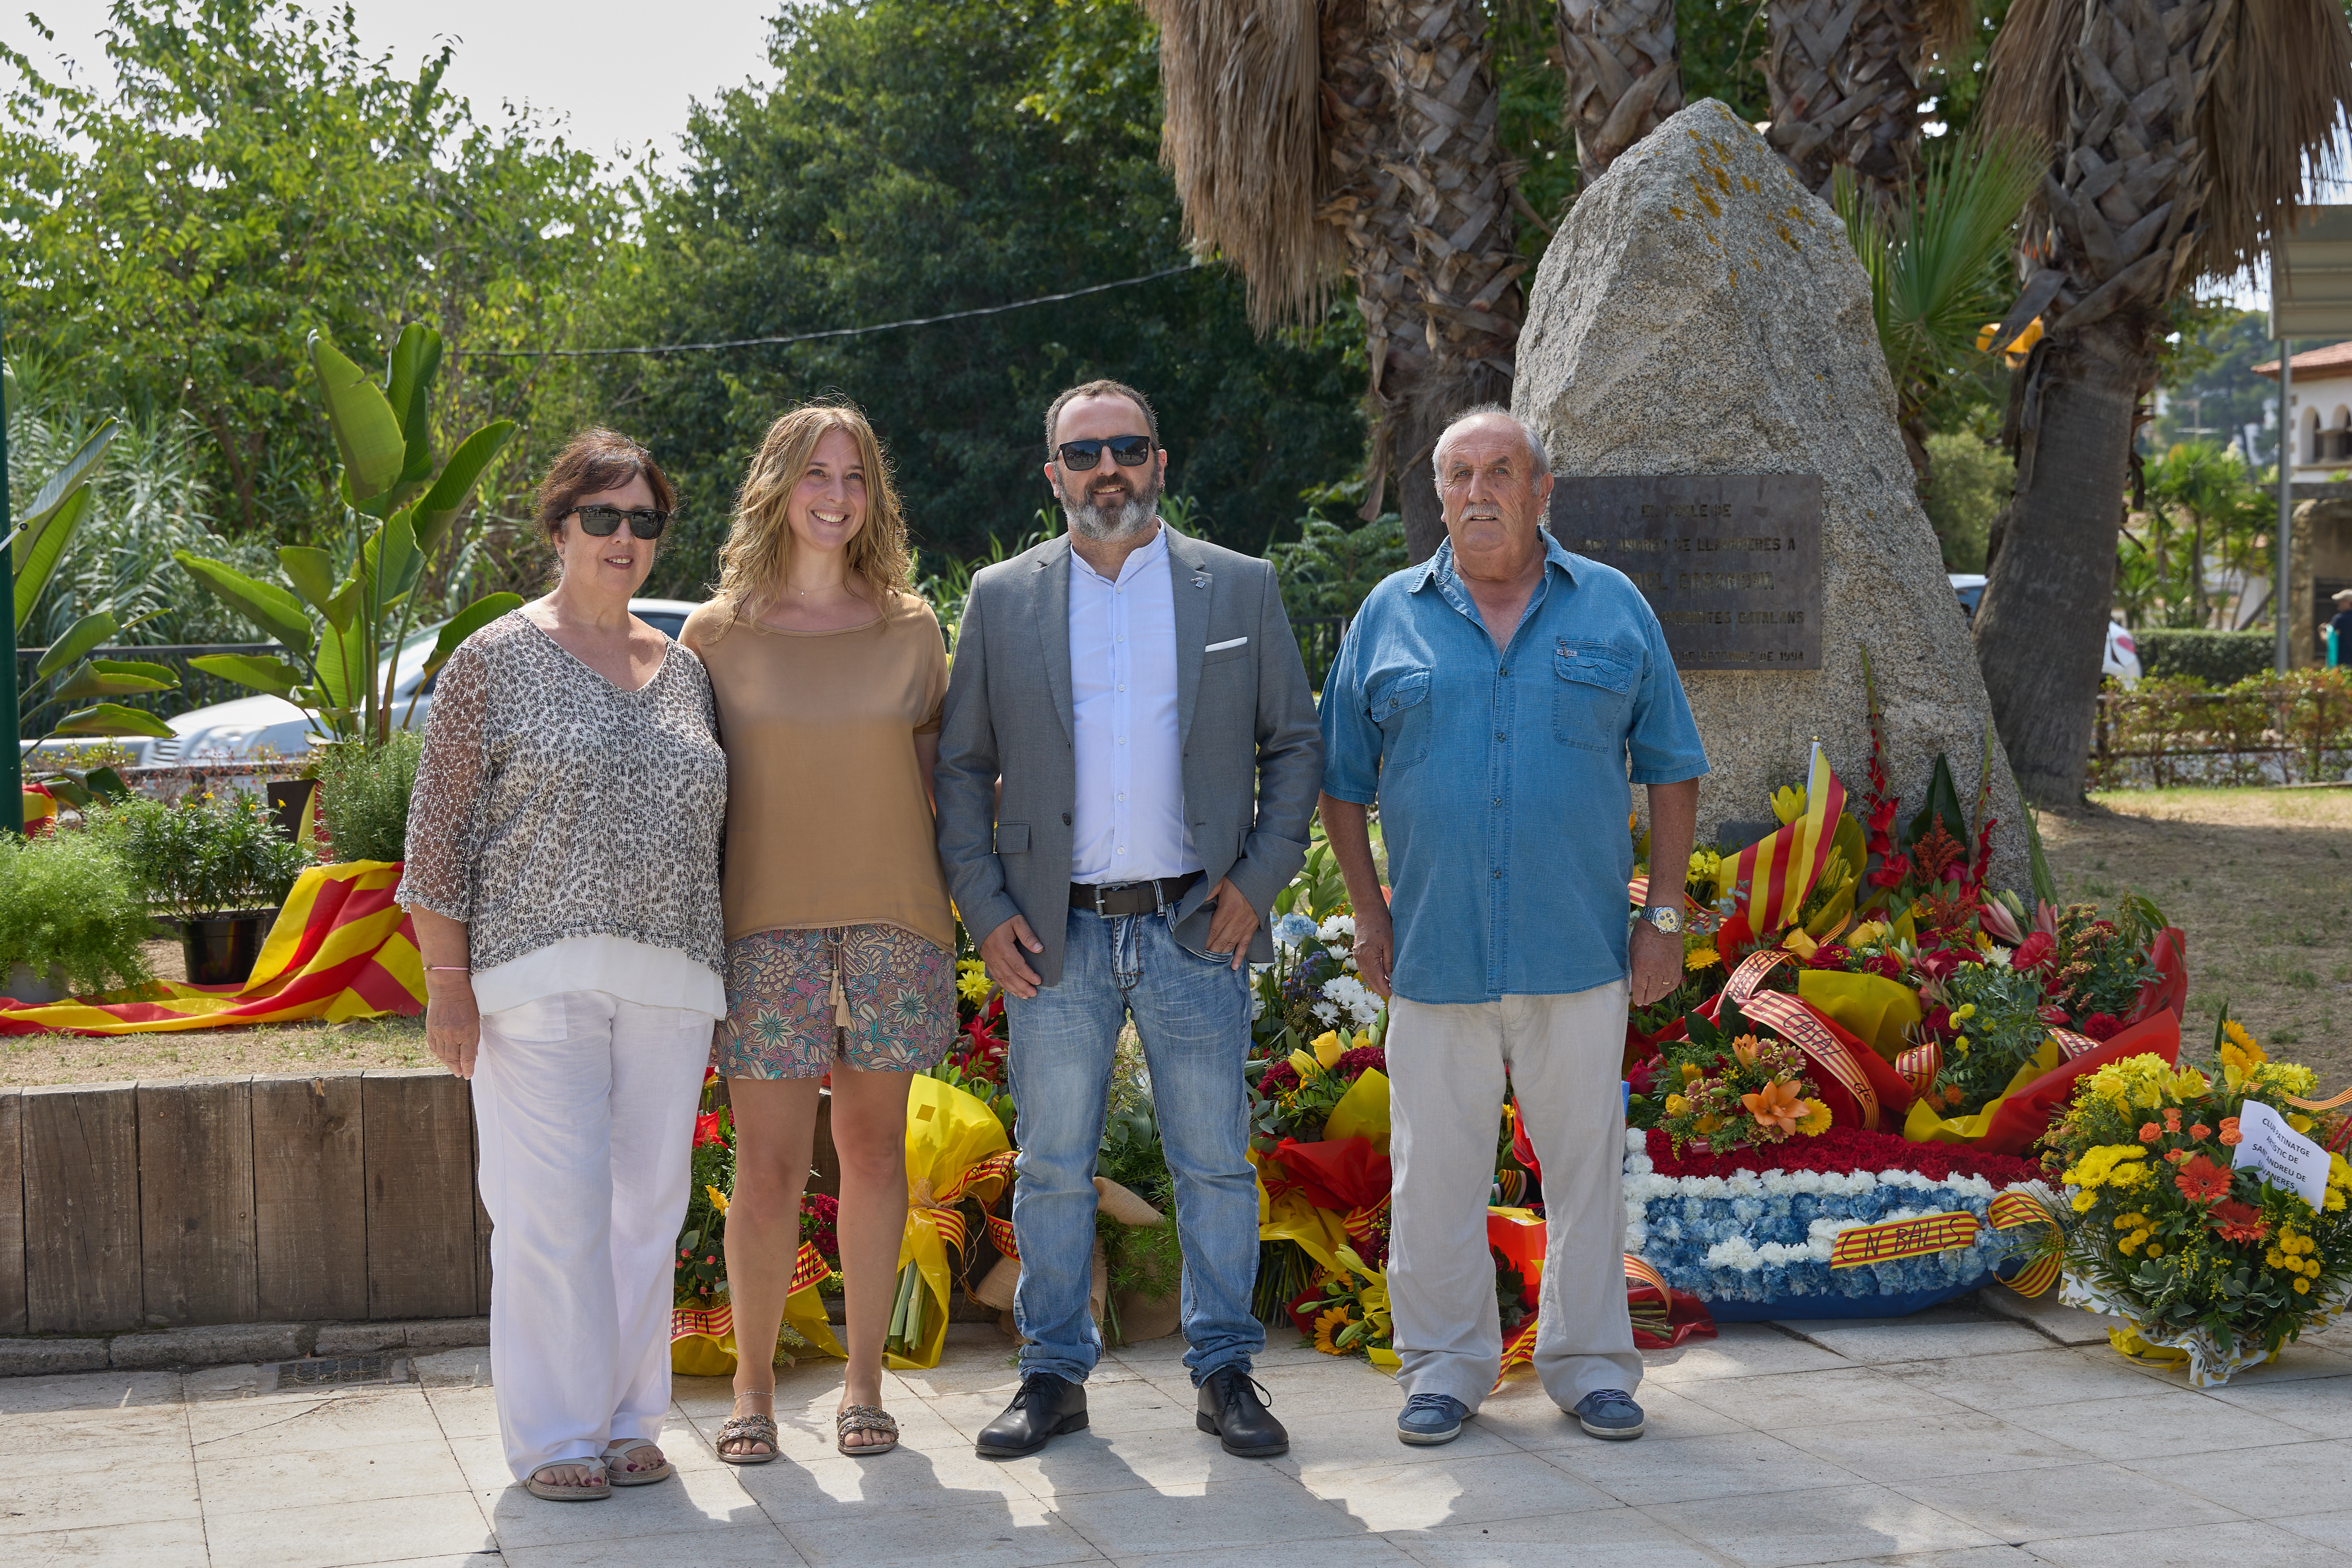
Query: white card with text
(2279, 1155)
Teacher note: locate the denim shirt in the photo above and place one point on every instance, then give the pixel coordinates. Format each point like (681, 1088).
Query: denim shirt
(1502, 778)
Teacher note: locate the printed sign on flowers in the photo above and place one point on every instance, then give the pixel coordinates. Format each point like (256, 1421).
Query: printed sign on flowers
(2279, 1155)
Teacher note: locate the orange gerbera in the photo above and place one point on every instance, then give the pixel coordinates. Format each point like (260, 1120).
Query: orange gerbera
(2202, 1181)
(1776, 1105)
(2238, 1221)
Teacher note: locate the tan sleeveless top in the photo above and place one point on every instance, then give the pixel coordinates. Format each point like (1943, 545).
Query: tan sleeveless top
(828, 822)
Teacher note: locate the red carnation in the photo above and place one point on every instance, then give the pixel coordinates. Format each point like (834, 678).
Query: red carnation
(2202, 1181)
(1840, 1150)
(2102, 1027)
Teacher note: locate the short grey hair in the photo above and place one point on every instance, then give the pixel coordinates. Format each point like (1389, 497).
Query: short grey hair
(1541, 459)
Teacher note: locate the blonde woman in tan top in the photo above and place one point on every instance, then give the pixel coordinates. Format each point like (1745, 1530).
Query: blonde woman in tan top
(829, 676)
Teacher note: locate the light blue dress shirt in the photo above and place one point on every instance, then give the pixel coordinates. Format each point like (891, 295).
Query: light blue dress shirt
(1127, 823)
(1502, 778)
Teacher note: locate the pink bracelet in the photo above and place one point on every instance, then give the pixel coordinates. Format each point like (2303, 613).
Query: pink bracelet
(448, 969)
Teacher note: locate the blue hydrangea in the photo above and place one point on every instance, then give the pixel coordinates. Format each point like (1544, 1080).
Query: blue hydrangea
(1293, 930)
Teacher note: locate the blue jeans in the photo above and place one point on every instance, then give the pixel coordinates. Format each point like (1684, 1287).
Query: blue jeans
(1192, 1014)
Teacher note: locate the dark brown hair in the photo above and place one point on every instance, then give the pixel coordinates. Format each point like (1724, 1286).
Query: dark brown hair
(1099, 389)
(591, 463)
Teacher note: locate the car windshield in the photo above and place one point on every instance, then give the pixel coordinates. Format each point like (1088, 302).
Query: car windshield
(410, 663)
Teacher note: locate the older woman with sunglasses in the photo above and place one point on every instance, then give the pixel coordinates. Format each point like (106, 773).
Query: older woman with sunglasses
(562, 872)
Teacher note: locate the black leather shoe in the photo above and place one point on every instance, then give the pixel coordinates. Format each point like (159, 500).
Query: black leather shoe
(1234, 1408)
(1046, 1407)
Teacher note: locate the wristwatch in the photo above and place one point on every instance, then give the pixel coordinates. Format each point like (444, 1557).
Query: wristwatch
(1664, 917)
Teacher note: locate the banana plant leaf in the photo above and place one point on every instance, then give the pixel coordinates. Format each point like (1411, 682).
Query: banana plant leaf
(394, 544)
(64, 484)
(311, 570)
(345, 668)
(37, 560)
(113, 718)
(89, 631)
(367, 433)
(415, 361)
(442, 503)
(266, 605)
(114, 677)
(262, 671)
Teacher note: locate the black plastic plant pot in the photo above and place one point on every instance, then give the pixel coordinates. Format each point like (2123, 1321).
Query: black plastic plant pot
(221, 949)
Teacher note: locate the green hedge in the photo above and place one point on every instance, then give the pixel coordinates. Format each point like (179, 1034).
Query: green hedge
(2216, 658)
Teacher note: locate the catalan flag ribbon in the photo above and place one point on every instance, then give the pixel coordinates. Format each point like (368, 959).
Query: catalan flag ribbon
(1779, 870)
(340, 949)
(1897, 1239)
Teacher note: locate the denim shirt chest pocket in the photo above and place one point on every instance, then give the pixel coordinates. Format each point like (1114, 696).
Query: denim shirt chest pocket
(1399, 703)
(1593, 693)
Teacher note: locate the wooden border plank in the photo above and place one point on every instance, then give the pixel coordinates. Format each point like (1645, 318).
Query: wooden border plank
(195, 1200)
(481, 1218)
(12, 1212)
(418, 1131)
(310, 1198)
(82, 1208)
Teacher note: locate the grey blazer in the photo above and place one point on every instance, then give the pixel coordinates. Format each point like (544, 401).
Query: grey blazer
(1253, 750)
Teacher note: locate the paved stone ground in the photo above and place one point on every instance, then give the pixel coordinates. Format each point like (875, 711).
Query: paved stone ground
(1954, 1441)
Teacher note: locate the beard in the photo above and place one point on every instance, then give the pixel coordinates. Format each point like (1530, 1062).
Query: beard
(1114, 524)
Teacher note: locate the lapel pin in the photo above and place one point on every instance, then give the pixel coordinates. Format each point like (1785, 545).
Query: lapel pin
(1199, 580)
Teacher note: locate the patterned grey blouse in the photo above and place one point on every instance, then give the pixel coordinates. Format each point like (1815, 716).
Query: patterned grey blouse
(551, 804)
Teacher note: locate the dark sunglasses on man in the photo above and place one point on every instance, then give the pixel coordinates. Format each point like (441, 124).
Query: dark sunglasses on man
(1130, 451)
(602, 522)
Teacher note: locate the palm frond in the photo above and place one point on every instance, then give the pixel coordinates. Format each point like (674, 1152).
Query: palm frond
(1936, 263)
(1241, 133)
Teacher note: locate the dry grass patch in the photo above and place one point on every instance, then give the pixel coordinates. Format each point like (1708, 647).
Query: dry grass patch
(2261, 880)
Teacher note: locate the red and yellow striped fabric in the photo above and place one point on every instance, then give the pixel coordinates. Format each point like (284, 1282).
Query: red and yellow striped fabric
(340, 949)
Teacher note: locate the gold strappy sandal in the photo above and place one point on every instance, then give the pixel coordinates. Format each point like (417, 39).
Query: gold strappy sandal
(865, 1419)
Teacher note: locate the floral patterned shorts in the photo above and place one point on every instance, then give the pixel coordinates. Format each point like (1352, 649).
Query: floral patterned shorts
(877, 997)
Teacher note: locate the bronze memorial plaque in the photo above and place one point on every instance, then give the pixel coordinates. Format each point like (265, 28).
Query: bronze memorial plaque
(1731, 562)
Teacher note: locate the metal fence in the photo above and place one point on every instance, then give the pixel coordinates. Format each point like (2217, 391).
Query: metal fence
(196, 689)
(2295, 729)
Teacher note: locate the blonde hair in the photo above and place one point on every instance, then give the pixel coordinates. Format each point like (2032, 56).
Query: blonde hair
(759, 547)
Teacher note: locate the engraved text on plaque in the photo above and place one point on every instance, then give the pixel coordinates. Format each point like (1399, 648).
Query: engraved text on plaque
(1731, 562)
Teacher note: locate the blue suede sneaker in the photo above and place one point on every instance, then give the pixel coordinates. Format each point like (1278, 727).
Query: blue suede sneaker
(1430, 1419)
(1609, 1413)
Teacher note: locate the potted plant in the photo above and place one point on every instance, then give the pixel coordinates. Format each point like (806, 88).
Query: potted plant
(72, 918)
(363, 795)
(219, 868)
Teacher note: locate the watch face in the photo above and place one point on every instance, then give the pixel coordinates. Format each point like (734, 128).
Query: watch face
(1665, 918)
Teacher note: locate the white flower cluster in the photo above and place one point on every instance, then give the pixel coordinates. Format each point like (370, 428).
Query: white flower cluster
(1362, 1007)
(1337, 928)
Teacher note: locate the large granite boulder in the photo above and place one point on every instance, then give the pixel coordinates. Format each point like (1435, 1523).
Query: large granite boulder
(1701, 313)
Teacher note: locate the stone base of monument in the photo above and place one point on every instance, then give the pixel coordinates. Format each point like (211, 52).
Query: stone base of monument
(1700, 317)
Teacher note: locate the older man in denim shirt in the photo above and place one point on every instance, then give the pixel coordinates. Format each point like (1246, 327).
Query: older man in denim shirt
(1498, 702)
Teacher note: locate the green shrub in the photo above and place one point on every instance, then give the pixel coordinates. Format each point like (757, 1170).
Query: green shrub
(67, 902)
(365, 793)
(208, 857)
(1968, 482)
(2216, 658)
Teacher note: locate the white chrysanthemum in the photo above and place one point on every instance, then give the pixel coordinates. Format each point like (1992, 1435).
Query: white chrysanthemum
(1326, 1012)
(1636, 1141)
(1336, 928)
(1353, 994)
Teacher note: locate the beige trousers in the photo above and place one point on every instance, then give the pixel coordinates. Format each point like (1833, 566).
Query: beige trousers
(1446, 1072)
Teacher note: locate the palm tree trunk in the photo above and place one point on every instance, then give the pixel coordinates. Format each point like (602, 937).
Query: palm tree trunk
(1423, 197)
(2040, 628)
(1847, 79)
(1624, 75)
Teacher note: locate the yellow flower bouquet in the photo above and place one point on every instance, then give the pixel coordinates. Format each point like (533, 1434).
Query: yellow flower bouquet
(2212, 1262)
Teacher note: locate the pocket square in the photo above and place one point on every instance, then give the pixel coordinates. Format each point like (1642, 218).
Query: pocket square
(1221, 647)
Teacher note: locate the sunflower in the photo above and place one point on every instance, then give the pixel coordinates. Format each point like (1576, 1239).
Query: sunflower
(1328, 1325)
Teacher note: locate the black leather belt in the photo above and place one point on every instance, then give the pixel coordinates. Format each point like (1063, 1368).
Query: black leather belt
(1110, 898)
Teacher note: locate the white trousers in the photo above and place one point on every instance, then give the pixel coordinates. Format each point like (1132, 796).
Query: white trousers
(1446, 1067)
(585, 1105)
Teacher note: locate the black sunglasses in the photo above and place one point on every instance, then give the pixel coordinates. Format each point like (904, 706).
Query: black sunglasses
(1131, 451)
(602, 522)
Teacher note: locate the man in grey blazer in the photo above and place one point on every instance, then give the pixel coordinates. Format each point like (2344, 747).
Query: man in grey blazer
(1128, 765)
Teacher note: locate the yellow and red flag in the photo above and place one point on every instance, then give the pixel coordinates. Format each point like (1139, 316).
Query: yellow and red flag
(1775, 874)
(340, 949)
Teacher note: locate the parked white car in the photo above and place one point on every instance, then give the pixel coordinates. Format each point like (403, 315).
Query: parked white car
(244, 729)
(2121, 659)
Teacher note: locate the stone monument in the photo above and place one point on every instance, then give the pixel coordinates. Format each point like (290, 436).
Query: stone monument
(1700, 313)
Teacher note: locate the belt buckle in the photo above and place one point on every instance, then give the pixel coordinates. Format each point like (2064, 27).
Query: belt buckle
(1101, 890)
